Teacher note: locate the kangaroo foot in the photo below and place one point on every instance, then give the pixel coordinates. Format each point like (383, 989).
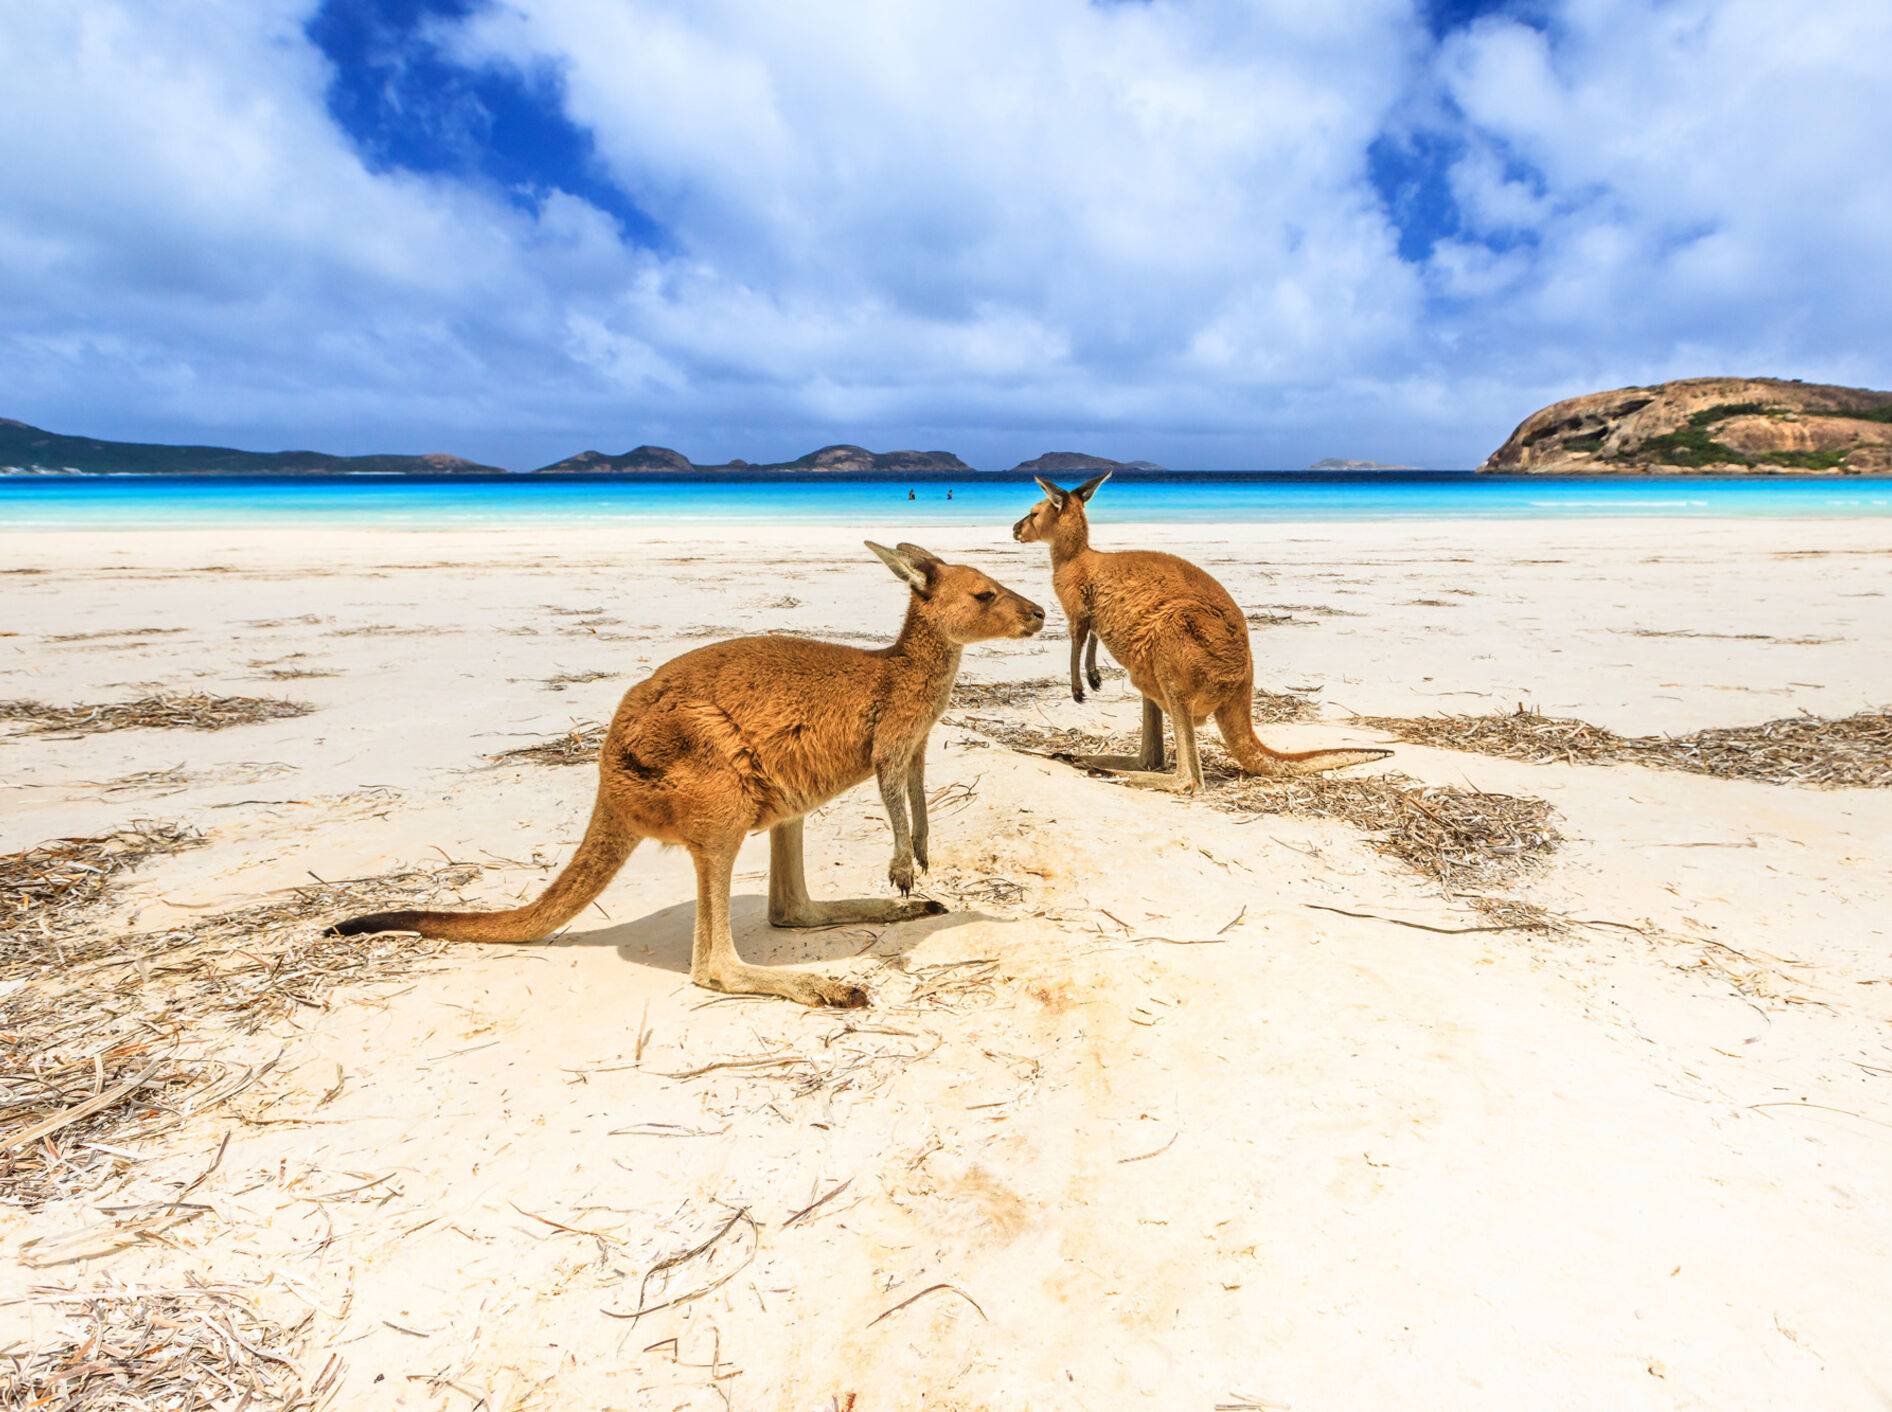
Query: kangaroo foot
(1109, 763)
(799, 986)
(857, 909)
(1165, 780)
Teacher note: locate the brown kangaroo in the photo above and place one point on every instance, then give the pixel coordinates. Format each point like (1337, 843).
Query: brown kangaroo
(1177, 633)
(752, 734)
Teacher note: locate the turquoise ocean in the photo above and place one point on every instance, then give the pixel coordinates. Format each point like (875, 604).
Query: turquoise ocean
(1203, 497)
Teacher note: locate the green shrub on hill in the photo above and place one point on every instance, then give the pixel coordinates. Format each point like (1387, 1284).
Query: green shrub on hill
(1721, 411)
(1867, 414)
(1691, 447)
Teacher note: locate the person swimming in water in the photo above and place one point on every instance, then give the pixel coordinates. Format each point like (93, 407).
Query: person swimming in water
(949, 492)
(910, 494)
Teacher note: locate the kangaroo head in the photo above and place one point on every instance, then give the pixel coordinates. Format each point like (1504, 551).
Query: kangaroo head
(962, 603)
(1060, 515)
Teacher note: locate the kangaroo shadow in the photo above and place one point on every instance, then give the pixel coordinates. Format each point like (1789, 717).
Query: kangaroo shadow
(664, 939)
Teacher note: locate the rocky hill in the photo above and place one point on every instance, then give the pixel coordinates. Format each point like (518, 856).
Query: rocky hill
(643, 458)
(1064, 462)
(828, 458)
(1341, 463)
(29, 450)
(1757, 426)
(859, 458)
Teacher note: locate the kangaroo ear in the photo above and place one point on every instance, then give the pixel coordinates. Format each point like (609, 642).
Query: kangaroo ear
(1085, 491)
(925, 558)
(904, 566)
(1052, 493)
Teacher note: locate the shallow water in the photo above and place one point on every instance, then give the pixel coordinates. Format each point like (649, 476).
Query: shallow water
(174, 502)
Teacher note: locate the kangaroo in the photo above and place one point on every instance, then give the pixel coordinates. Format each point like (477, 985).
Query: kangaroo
(1178, 634)
(752, 734)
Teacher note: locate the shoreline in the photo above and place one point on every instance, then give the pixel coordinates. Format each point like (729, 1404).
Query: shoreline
(971, 533)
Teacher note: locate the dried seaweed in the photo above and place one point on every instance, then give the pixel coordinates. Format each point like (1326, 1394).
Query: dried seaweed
(1730, 636)
(1853, 751)
(153, 784)
(1270, 707)
(392, 630)
(198, 1347)
(111, 633)
(298, 673)
(58, 881)
(1059, 742)
(164, 711)
(975, 695)
(1275, 707)
(578, 746)
(1459, 837)
(1514, 914)
(98, 1011)
(565, 679)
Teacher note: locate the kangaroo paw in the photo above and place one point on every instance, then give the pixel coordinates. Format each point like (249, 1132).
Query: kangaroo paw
(858, 909)
(799, 986)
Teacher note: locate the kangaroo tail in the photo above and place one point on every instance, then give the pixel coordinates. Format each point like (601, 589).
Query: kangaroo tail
(1236, 720)
(606, 845)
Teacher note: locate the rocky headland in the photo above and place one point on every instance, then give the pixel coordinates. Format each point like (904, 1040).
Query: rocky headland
(1723, 425)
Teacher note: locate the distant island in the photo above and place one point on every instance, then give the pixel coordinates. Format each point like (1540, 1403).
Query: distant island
(1335, 463)
(1064, 462)
(29, 450)
(1722, 425)
(841, 457)
(26, 450)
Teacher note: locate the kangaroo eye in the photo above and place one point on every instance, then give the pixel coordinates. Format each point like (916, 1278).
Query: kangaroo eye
(985, 595)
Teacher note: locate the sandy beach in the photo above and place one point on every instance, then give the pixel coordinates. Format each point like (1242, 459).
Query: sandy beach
(1184, 1104)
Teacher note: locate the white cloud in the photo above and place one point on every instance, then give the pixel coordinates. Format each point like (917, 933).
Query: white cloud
(1719, 189)
(1127, 183)
(965, 222)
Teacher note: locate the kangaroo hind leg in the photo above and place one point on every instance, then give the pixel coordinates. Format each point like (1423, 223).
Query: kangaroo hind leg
(1149, 754)
(1186, 778)
(790, 905)
(716, 964)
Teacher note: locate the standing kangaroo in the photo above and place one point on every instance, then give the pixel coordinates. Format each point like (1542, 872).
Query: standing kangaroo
(752, 734)
(1178, 634)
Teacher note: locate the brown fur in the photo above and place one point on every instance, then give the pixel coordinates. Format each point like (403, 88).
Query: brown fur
(1178, 634)
(752, 734)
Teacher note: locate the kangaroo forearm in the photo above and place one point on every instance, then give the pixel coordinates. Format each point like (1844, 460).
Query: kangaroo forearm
(893, 794)
(1080, 633)
(916, 801)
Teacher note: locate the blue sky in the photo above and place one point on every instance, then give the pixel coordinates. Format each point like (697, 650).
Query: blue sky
(1213, 234)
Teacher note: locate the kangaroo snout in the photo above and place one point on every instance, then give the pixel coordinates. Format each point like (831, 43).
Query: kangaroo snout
(1034, 618)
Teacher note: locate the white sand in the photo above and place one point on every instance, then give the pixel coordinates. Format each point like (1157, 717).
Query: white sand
(1321, 1163)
